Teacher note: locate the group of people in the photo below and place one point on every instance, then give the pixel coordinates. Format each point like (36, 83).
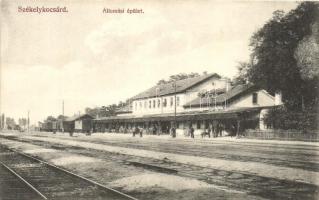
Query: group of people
(138, 131)
(135, 129)
(214, 132)
(207, 132)
(190, 132)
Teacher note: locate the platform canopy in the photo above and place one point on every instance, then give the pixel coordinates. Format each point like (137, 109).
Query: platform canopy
(242, 113)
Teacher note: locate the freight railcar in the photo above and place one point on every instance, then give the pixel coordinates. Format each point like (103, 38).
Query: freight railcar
(48, 126)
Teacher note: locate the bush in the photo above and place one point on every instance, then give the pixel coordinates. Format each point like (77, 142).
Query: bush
(281, 118)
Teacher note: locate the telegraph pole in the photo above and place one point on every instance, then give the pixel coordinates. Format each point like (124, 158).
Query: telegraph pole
(62, 116)
(175, 105)
(173, 129)
(28, 121)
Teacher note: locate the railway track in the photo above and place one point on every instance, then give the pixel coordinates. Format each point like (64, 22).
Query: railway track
(26, 177)
(239, 182)
(12, 187)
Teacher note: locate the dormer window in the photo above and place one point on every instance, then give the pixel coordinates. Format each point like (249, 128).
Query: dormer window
(255, 98)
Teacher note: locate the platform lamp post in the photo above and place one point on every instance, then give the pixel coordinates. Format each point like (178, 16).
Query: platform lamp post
(174, 85)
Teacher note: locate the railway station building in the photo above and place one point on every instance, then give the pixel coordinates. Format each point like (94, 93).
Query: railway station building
(78, 123)
(203, 102)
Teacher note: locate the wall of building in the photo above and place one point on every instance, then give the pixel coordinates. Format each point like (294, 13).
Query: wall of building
(199, 128)
(263, 99)
(146, 106)
(142, 106)
(78, 125)
(212, 84)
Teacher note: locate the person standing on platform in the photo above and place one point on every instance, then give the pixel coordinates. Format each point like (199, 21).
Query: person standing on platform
(135, 131)
(173, 132)
(141, 131)
(192, 132)
(154, 130)
(221, 130)
(208, 130)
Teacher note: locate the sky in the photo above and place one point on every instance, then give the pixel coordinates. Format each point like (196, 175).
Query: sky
(88, 58)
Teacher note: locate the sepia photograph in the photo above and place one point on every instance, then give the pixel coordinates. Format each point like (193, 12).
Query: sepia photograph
(159, 100)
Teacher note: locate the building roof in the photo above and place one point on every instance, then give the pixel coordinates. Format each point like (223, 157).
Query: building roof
(168, 88)
(77, 117)
(228, 96)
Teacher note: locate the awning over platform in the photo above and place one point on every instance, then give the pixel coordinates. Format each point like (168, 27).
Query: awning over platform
(187, 116)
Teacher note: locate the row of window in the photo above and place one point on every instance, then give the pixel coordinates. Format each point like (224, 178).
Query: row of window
(156, 103)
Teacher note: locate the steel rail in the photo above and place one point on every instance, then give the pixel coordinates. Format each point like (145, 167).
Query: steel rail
(76, 175)
(23, 180)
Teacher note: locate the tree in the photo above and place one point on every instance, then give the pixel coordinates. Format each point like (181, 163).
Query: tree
(180, 76)
(2, 121)
(10, 123)
(177, 77)
(161, 82)
(281, 118)
(51, 118)
(22, 122)
(307, 54)
(243, 73)
(274, 66)
(105, 111)
(111, 109)
(94, 112)
(61, 117)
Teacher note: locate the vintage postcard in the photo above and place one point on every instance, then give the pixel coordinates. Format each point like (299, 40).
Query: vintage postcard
(159, 100)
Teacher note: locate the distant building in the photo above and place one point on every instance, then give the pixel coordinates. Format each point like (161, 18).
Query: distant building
(201, 102)
(78, 123)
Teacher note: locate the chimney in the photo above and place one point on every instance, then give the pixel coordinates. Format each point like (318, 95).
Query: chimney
(227, 85)
(278, 98)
